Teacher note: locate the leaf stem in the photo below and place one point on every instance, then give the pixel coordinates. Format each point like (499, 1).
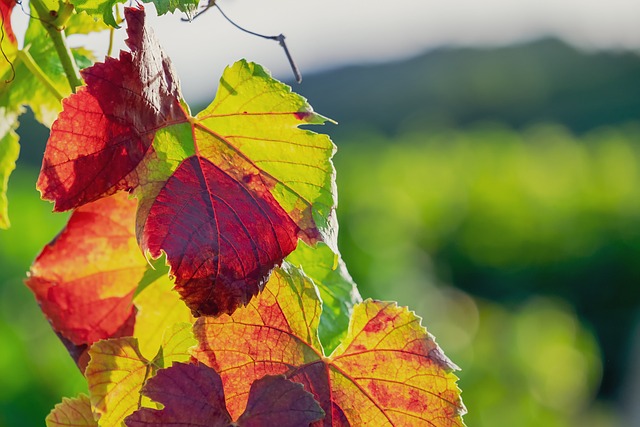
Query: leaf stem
(55, 28)
(24, 56)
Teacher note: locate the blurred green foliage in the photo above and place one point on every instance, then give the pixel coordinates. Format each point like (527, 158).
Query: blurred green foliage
(524, 219)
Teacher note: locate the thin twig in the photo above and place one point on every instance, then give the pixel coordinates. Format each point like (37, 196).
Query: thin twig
(13, 70)
(279, 38)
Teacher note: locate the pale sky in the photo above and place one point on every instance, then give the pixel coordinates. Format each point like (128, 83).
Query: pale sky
(333, 33)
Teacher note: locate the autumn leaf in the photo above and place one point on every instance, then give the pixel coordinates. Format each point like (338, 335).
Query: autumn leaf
(85, 279)
(9, 149)
(338, 291)
(158, 308)
(117, 371)
(111, 121)
(387, 371)
(19, 86)
(72, 413)
(192, 395)
(8, 41)
(220, 193)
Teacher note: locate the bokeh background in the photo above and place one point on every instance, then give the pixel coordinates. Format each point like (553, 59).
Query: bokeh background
(489, 179)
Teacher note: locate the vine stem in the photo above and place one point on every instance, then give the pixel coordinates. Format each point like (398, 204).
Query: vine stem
(55, 28)
(26, 58)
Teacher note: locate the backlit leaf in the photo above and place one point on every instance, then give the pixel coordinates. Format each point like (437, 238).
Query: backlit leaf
(387, 371)
(192, 395)
(9, 43)
(84, 280)
(9, 149)
(117, 370)
(115, 375)
(187, 6)
(111, 121)
(19, 86)
(72, 413)
(99, 10)
(220, 193)
(338, 291)
(158, 307)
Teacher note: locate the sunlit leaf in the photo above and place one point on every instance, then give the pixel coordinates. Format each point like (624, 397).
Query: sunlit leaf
(99, 10)
(164, 6)
(85, 279)
(118, 370)
(9, 149)
(387, 371)
(110, 121)
(225, 194)
(192, 395)
(74, 412)
(338, 291)
(9, 43)
(158, 307)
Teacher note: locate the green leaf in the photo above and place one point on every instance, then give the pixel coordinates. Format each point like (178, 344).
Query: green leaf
(82, 23)
(27, 88)
(99, 10)
(338, 291)
(187, 6)
(9, 150)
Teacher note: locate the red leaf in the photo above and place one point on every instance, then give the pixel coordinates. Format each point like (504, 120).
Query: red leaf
(85, 279)
(6, 7)
(235, 252)
(192, 395)
(105, 129)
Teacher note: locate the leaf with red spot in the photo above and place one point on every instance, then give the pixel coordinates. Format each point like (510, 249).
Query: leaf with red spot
(85, 279)
(225, 194)
(192, 395)
(387, 371)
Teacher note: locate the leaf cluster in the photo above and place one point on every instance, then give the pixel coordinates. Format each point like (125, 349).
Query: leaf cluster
(233, 208)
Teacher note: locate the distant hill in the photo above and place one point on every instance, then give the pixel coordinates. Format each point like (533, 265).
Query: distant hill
(519, 85)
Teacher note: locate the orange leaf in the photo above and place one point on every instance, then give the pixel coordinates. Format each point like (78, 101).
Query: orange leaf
(387, 371)
(84, 280)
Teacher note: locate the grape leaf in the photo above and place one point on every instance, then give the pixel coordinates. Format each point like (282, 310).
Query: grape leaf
(8, 41)
(111, 121)
(192, 395)
(9, 149)
(72, 413)
(85, 279)
(338, 291)
(19, 86)
(117, 370)
(220, 193)
(99, 10)
(158, 307)
(164, 6)
(387, 371)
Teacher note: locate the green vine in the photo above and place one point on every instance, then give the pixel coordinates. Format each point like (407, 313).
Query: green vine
(54, 22)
